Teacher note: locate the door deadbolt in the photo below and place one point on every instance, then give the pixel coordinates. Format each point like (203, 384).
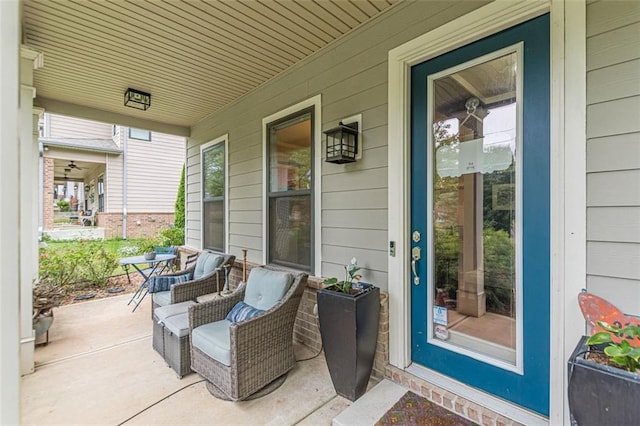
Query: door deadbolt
(416, 236)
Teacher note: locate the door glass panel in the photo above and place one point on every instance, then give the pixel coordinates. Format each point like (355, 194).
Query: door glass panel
(474, 213)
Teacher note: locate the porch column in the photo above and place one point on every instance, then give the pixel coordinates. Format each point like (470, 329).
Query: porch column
(9, 260)
(27, 203)
(471, 298)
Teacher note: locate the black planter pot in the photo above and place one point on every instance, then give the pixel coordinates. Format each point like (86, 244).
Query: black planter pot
(349, 330)
(599, 394)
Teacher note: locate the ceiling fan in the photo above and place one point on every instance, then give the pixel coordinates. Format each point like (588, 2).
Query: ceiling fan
(73, 165)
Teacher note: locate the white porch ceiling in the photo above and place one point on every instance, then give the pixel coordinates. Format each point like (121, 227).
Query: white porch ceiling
(194, 57)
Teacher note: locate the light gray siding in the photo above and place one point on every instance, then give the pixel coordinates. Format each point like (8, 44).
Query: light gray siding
(351, 77)
(60, 126)
(153, 173)
(613, 152)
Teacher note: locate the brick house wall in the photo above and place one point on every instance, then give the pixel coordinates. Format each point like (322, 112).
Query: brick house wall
(139, 225)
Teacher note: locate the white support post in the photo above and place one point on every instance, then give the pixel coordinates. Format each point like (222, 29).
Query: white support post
(9, 243)
(27, 203)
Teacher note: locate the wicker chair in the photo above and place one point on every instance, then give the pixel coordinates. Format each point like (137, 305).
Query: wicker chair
(181, 295)
(190, 290)
(261, 347)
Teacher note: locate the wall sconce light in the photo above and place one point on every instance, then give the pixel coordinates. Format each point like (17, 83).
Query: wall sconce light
(87, 188)
(342, 143)
(75, 186)
(136, 99)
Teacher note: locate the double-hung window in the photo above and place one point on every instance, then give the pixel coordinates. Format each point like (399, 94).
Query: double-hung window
(290, 190)
(213, 196)
(101, 193)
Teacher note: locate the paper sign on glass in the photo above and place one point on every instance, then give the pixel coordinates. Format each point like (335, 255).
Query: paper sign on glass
(472, 157)
(440, 315)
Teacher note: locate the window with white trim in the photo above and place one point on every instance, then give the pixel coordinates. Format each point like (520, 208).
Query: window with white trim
(213, 197)
(290, 201)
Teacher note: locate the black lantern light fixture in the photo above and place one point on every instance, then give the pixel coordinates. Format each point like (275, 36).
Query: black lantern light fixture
(342, 143)
(136, 99)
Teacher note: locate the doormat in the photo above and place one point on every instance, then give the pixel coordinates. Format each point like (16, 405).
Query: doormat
(414, 410)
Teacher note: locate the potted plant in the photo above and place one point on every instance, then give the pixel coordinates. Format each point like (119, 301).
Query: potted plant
(147, 248)
(604, 377)
(46, 296)
(349, 312)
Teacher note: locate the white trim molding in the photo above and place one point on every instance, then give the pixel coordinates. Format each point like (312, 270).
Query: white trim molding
(316, 103)
(568, 192)
(224, 139)
(568, 205)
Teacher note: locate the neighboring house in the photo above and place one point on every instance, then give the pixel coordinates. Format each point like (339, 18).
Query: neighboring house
(499, 174)
(128, 177)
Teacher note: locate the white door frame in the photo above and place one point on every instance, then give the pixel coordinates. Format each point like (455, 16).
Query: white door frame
(568, 167)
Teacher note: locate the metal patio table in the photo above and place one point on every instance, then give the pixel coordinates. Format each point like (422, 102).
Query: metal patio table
(143, 289)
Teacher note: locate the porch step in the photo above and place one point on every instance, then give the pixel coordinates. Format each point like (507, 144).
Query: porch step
(368, 409)
(76, 233)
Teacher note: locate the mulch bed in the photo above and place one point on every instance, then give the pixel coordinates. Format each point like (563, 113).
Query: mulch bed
(114, 283)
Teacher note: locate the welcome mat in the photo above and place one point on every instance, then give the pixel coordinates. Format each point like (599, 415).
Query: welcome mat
(414, 410)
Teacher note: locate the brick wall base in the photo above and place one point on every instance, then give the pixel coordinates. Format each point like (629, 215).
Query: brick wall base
(139, 225)
(307, 332)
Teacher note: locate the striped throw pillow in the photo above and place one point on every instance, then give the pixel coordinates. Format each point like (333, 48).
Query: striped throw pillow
(241, 311)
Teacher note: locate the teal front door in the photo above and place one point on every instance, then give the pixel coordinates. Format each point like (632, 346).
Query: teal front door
(480, 214)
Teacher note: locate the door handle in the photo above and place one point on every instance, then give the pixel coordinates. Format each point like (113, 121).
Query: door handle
(415, 257)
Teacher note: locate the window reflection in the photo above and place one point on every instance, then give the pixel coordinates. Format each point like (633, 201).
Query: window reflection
(474, 199)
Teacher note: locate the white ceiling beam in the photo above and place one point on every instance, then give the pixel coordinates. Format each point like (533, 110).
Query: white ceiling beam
(81, 111)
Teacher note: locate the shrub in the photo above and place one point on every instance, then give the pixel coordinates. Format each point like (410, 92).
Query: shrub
(172, 236)
(64, 206)
(86, 264)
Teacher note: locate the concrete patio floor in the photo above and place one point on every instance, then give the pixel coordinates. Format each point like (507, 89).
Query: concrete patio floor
(100, 368)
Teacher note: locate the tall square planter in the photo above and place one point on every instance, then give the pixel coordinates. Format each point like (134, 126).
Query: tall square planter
(599, 394)
(349, 331)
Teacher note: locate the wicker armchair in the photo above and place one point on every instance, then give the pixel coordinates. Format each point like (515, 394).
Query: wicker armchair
(181, 295)
(190, 290)
(261, 348)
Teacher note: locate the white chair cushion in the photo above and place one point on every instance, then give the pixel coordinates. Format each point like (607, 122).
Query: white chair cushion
(206, 264)
(164, 312)
(265, 288)
(178, 324)
(214, 340)
(162, 298)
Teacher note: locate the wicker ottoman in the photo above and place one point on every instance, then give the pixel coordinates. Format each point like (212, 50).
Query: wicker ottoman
(176, 344)
(158, 336)
(160, 315)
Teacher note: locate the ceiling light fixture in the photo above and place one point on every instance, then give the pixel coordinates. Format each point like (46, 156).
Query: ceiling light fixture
(136, 99)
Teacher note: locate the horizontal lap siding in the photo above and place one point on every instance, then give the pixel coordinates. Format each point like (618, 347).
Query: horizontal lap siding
(351, 76)
(613, 152)
(153, 173)
(61, 126)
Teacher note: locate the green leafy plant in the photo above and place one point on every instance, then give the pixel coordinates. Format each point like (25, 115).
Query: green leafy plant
(351, 278)
(64, 206)
(624, 344)
(172, 236)
(148, 245)
(84, 264)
